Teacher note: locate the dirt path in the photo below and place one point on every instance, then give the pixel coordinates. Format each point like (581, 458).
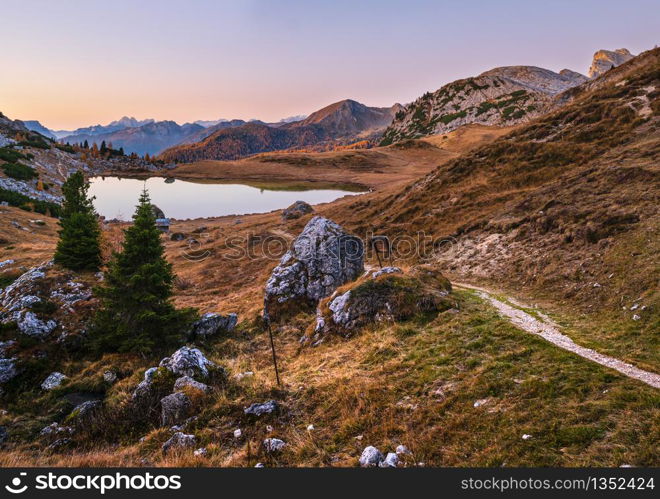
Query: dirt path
(549, 331)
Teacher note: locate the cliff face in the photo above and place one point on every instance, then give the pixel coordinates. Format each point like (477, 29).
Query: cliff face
(605, 60)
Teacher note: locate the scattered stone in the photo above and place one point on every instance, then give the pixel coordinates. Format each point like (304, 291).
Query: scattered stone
(175, 408)
(188, 361)
(636, 317)
(310, 427)
(259, 409)
(296, 210)
(83, 413)
(4, 263)
(179, 441)
(28, 323)
(53, 380)
(322, 258)
(259, 465)
(385, 271)
(238, 433)
(8, 370)
(634, 307)
(55, 429)
(212, 323)
(370, 457)
(187, 381)
(109, 376)
(273, 445)
(390, 461)
(177, 236)
(402, 450)
(59, 444)
(526, 436)
(481, 402)
(246, 374)
(201, 452)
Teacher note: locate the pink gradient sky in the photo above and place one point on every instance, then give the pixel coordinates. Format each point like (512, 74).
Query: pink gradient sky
(76, 63)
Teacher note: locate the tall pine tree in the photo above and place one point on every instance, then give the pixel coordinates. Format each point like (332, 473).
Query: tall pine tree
(137, 314)
(79, 245)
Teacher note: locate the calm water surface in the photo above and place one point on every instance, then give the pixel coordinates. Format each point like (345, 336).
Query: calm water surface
(116, 197)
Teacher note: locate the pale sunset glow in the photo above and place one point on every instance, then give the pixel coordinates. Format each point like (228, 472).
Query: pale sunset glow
(73, 63)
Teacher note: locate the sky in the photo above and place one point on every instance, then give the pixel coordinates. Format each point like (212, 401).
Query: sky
(74, 63)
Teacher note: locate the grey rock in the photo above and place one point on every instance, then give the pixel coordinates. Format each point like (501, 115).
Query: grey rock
(386, 270)
(296, 210)
(185, 381)
(402, 450)
(260, 465)
(390, 461)
(201, 452)
(322, 258)
(8, 370)
(188, 361)
(370, 457)
(59, 443)
(53, 381)
(175, 408)
(604, 60)
(28, 323)
(274, 445)
(179, 440)
(212, 323)
(109, 376)
(259, 409)
(55, 429)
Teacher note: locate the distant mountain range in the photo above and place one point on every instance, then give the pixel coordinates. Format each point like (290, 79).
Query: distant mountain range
(502, 96)
(341, 122)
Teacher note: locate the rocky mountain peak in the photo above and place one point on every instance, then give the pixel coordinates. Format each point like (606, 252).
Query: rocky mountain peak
(604, 60)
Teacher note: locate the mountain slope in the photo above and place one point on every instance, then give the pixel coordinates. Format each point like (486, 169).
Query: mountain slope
(502, 96)
(559, 205)
(341, 122)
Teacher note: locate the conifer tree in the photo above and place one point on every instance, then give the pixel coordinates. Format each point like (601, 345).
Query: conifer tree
(79, 244)
(136, 312)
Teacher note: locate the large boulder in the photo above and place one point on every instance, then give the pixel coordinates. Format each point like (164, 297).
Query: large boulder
(296, 210)
(210, 324)
(53, 381)
(382, 296)
(175, 408)
(188, 361)
(322, 258)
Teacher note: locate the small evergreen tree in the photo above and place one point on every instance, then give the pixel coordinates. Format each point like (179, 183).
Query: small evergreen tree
(79, 244)
(136, 310)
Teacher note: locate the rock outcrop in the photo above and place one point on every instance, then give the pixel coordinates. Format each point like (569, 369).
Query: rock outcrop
(188, 361)
(211, 324)
(382, 296)
(604, 60)
(175, 408)
(53, 381)
(179, 441)
(296, 210)
(322, 258)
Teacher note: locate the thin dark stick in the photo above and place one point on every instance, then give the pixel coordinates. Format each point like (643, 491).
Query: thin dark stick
(272, 348)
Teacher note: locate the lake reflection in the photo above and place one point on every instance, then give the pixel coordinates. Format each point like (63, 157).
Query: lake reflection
(116, 197)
